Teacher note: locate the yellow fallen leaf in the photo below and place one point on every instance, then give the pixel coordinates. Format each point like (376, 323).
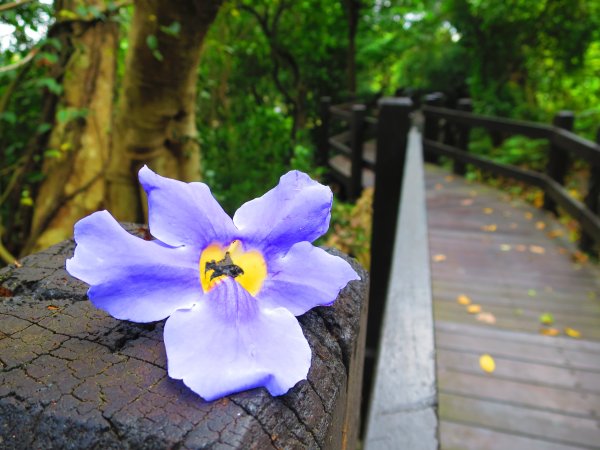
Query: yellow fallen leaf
(463, 300)
(487, 363)
(466, 202)
(571, 332)
(555, 233)
(52, 308)
(439, 258)
(505, 247)
(540, 225)
(438, 187)
(537, 249)
(546, 318)
(520, 248)
(549, 331)
(474, 309)
(513, 226)
(491, 228)
(449, 178)
(486, 317)
(488, 210)
(579, 257)
(473, 193)
(528, 215)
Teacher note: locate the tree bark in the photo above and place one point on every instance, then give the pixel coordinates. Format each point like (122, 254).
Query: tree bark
(156, 122)
(77, 150)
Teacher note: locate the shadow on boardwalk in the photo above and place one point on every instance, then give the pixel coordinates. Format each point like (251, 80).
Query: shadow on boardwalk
(545, 390)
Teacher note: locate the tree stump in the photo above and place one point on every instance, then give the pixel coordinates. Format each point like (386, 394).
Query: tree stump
(73, 377)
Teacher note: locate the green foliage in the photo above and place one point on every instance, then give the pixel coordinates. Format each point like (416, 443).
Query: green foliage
(245, 156)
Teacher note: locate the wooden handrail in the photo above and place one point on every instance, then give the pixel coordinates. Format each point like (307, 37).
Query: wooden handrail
(564, 144)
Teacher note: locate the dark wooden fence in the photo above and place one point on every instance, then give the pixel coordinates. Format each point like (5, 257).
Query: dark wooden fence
(351, 163)
(399, 379)
(447, 131)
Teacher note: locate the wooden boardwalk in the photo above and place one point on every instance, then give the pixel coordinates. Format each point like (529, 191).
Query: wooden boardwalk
(515, 262)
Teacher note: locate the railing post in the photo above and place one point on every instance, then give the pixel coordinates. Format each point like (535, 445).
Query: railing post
(592, 201)
(357, 128)
(431, 130)
(464, 131)
(392, 138)
(558, 158)
(323, 137)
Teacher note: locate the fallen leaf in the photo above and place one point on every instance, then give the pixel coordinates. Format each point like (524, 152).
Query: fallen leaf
(488, 210)
(463, 300)
(528, 215)
(466, 202)
(540, 225)
(537, 249)
(531, 292)
(519, 312)
(549, 331)
(52, 307)
(591, 295)
(473, 193)
(513, 226)
(562, 251)
(492, 227)
(505, 247)
(555, 233)
(579, 257)
(438, 187)
(546, 319)
(474, 309)
(5, 292)
(439, 258)
(486, 317)
(449, 178)
(17, 264)
(571, 332)
(520, 248)
(487, 363)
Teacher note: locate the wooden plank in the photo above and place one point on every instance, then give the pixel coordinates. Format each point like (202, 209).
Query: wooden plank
(523, 371)
(403, 407)
(455, 436)
(478, 331)
(486, 386)
(520, 351)
(533, 423)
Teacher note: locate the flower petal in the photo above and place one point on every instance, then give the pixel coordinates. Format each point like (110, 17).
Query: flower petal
(227, 344)
(307, 276)
(297, 209)
(131, 278)
(184, 213)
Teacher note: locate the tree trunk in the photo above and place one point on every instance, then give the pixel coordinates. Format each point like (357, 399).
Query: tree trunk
(155, 123)
(77, 150)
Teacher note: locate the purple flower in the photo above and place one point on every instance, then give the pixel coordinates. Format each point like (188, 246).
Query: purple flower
(230, 288)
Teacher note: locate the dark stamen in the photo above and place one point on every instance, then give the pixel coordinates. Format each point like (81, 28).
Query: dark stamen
(223, 267)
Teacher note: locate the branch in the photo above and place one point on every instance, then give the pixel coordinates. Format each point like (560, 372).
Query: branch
(12, 5)
(18, 64)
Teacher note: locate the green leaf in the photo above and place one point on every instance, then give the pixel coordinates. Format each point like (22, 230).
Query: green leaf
(546, 319)
(51, 84)
(152, 42)
(9, 117)
(171, 30)
(52, 153)
(158, 55)
(43, 128)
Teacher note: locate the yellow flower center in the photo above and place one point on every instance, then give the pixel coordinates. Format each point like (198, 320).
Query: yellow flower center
(218, 262)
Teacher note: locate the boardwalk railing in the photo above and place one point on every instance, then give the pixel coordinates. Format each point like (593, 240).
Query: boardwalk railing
(344, 152)
(564, 145)
(399, 379)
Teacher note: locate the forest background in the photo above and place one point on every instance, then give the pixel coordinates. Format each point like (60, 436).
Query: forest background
(229, 92)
